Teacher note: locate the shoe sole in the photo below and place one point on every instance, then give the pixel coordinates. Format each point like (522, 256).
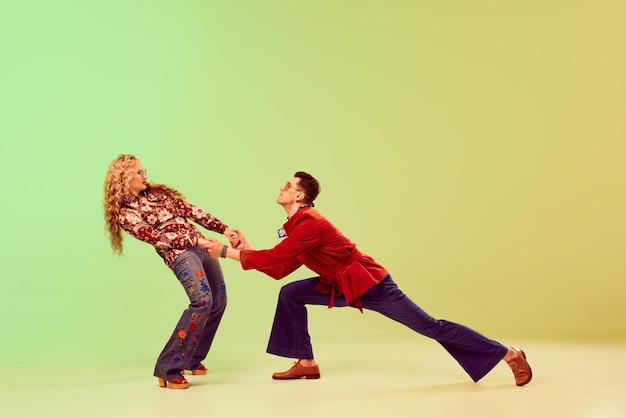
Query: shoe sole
(197, 372)
(306, 376)
(164, 384)
(530, 371)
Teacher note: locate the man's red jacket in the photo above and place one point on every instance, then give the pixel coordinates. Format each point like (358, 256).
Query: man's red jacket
(316, 243)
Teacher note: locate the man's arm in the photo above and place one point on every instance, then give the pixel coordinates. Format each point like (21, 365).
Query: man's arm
(216, 249)
(237, 240)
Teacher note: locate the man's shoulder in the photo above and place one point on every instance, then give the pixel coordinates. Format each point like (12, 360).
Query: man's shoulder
(307, 216)
(309, 213)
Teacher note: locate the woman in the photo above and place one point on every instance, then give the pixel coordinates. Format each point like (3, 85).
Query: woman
(158, 214)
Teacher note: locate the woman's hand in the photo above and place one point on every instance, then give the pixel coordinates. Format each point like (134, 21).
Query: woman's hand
(233, 237)
(242, 243)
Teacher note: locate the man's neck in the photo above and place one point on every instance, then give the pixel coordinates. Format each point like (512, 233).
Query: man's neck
(292, 208)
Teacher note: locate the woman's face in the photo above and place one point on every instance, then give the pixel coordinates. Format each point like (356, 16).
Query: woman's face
(138, 181)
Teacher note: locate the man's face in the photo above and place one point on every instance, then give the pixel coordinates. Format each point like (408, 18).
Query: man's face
(289, 192)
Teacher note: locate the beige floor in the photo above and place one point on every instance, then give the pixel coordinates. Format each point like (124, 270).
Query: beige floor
(389, 377)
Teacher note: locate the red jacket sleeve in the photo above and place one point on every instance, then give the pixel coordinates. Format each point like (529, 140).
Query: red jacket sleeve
(282, 260)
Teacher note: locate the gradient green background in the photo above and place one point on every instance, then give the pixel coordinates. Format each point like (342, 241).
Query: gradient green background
(474, 148)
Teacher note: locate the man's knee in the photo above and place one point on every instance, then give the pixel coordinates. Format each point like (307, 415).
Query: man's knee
(288, 291)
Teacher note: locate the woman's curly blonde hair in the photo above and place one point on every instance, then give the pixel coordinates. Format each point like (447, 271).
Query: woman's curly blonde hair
(116, 188)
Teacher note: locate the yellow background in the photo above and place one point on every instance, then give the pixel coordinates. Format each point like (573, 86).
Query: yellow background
(474, 148)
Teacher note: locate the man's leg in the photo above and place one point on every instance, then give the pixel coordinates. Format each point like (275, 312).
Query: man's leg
(475, 353)
(290, 334)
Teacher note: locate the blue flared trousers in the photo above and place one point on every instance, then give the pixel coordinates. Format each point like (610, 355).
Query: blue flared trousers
(201, 277)
(476, 354)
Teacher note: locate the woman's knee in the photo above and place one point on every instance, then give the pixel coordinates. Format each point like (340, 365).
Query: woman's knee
(201, 301)
(219, 306)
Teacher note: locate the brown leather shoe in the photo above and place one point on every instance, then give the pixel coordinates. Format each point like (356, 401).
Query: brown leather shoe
(521, 369)
(298, 371)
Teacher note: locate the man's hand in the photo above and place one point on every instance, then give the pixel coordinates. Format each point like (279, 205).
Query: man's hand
(212, 246)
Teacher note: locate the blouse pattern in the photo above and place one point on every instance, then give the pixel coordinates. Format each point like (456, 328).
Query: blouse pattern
(162, 221)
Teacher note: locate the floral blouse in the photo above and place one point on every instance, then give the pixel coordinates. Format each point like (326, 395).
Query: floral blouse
(161, 220)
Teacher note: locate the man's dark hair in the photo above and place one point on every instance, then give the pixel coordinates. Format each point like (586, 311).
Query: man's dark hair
(309, 185)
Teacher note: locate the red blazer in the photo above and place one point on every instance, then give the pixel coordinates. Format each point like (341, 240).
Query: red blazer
(316, 243)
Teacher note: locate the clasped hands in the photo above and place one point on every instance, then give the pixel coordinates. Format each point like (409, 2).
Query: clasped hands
(213, 247)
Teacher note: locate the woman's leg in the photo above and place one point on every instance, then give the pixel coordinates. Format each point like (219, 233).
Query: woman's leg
(179, 352)
(217, 286)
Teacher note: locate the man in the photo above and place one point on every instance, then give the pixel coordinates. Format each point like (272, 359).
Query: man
(347, 277)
